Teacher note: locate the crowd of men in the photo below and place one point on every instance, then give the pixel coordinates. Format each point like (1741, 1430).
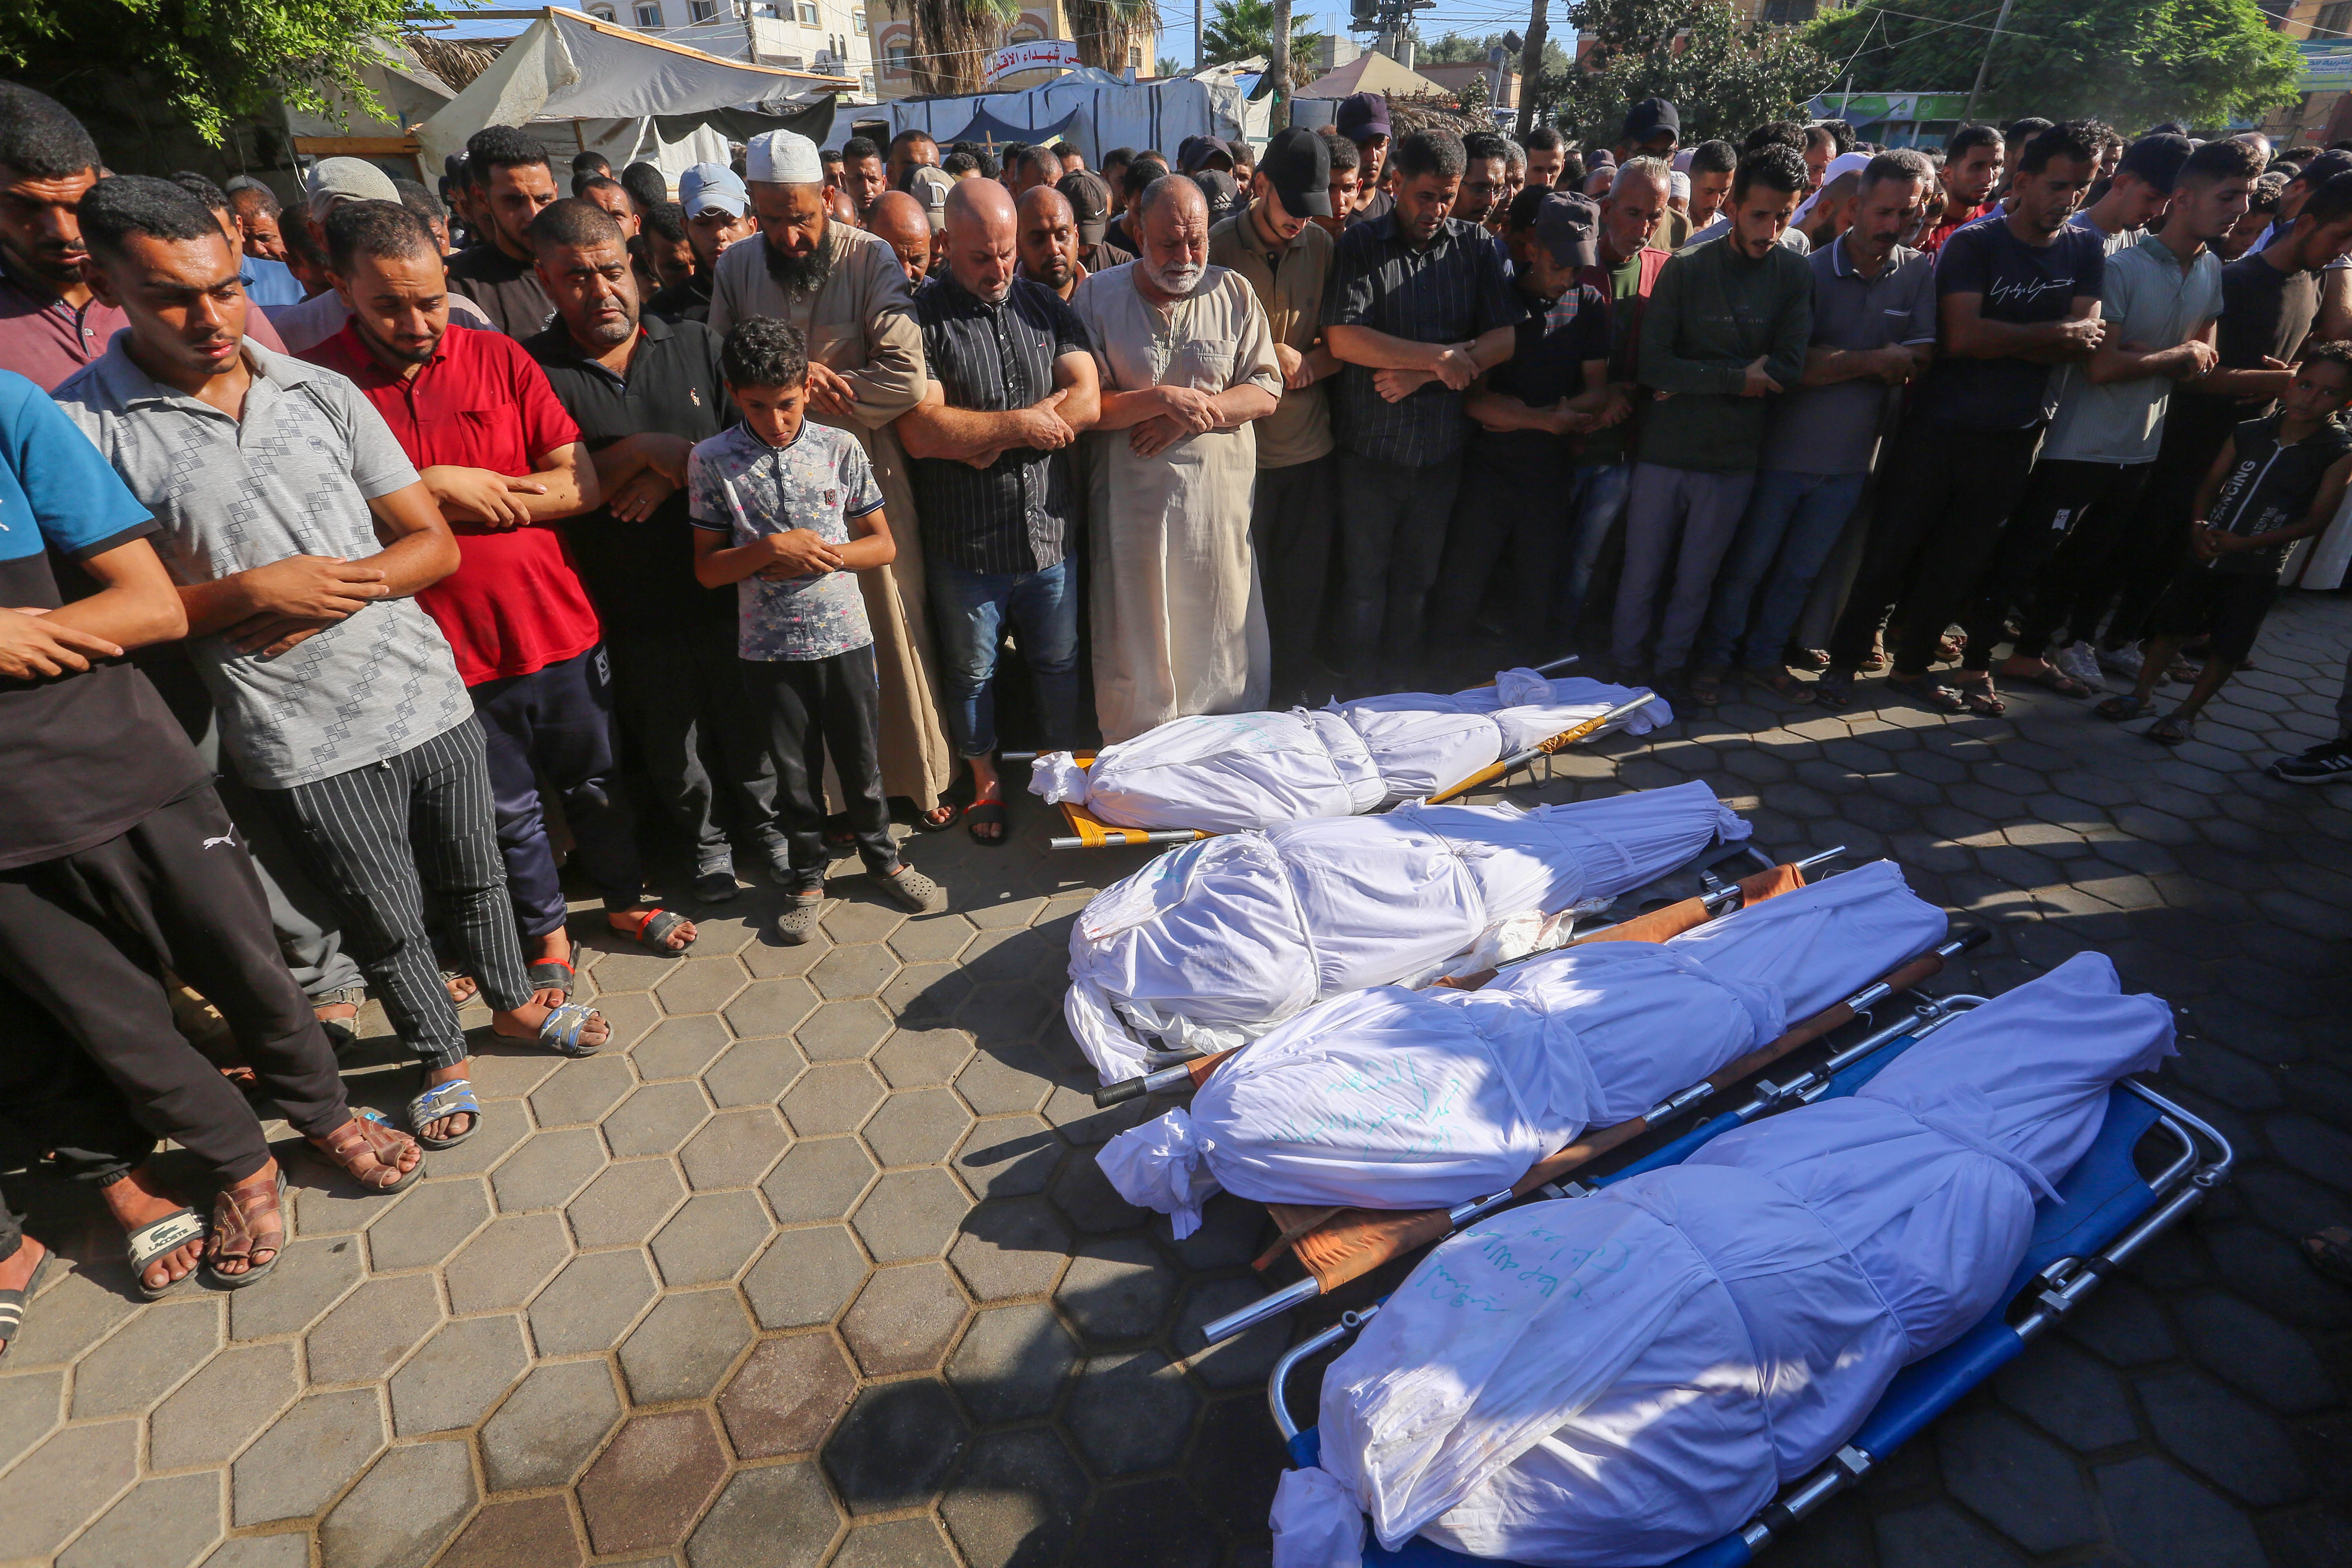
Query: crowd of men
(365, 550)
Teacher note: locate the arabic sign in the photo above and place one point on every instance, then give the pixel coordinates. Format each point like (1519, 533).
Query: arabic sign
(2327, 67)
(1038, 54)
(1889, 107)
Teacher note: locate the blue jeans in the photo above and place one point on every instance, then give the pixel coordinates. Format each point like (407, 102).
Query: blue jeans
(1792, 523)
(970, 609)
(1600, 502)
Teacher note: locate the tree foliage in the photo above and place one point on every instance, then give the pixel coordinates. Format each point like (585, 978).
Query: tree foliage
(1723, 74)
(211, 62)
(1108, 29)
(953, 39)
(1457, 46)
(2131, 62)
(1238, 29)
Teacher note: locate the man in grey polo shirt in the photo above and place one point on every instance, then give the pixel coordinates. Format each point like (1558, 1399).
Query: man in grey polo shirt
(297, 532)
(1874, 331)
(2063, 555)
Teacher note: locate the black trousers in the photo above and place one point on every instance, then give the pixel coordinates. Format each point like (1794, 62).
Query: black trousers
(811, 708)
(1391, 533)
(2195, 427)
(2064, 554)
(58, 1111)
(1290, 530)
(88, 936)
(1946, 494)
(1513, 515)
(683, 714)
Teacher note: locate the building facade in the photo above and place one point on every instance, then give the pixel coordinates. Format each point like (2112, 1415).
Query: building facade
(897, 47)
(832, 36)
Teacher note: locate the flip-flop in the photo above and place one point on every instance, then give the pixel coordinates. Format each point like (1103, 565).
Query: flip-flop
(2122, 710)
(156, 1238)
(1980, 699)
(1783, 685)
(14, 1303)
(2050, 677)
(988, 810)
(562, 1029)
(922, 821)
(454, 1097)
(1929, 693)
(552, 975)
(653, 925)
(2172, 730)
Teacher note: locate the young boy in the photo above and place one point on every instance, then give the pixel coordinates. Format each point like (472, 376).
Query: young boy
(788, 513)
(2276, 480)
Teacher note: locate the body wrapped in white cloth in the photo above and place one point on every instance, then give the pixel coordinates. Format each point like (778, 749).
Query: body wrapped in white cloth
(1228, 772)
(1406, 1099)
(1615, 1380)
(1209, 946)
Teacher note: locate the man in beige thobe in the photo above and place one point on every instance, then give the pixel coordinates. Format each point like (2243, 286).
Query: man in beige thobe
(1186, 361)
(847, 293)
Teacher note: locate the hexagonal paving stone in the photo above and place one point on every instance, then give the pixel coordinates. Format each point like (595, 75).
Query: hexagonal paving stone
(701, 986)
(1089, 1202)
(912, 1058)
(140, 1362)
(2020, 1483)
(402, 1510)
(1150, 1520)
(804, 1278)
(504, 1265)
(376, 1325)
(1010, 1248)
(754, 1072)
(734, 1149)
(843, 1031)
(549, 1425)
(1938, 1535)
(831, 1097)
(655, 1119)
(626, 1204)
(1005, 1079)
(895, 1543)
(81, 1309)
(1016, 1499)
(1131, 1412)
(530, 1532)
(933, 939)
(548, 1169)
(284, 1550)
(1012, 1362)
(2256, 1353)
(818, 1179)
(770, 1007)
(2070, 1395)
(859, 969)
(896, 1446)
(2162, 1518)
(163, 1523)
(1240, 1361)
(308, 1455)
(1116, 1290)
(60, 1484)
(904, 1319)
(581, 1090)
(645, 1491)
(861, 919)
(1007, 1156)
(210, 1418)
(1238, 1459)
(787, 1396)
(779, 1517)
(910, 1215)
(917, 1127)
(461, 1370)
(710, 1238)
(684, 1346)
(428, 1224)
(591, 1304)
(679, 1047)
(2223, 1438)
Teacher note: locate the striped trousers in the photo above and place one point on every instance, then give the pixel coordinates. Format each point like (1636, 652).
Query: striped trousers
(379, 840)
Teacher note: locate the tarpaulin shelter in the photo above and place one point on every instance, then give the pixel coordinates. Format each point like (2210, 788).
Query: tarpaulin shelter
(1092, 108)
(992, 133)
(628, 96)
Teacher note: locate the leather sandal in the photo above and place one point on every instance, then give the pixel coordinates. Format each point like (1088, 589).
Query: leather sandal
(244, 1225)
(368, 1149)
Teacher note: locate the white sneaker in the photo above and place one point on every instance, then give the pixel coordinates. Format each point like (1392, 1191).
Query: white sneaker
(2123, 661)
(2080, 661)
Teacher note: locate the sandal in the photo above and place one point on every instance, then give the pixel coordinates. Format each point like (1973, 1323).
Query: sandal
(981, 816)
(454, 1097)
(2050, 677)
(2122, 710)
(2329, 1251)
(462, 988)
(368, 1137)
(1705, 687)
(1782, 684)
(924, 820)
(552, 975)
(911, 890)
(153, 1240)
(239, 1232)
(653, 926)
(1980, 699)
(1929, 693)
(2172, 730)
(14, 1303)
(1834, 690)
(340, 1032)
(562, 1029)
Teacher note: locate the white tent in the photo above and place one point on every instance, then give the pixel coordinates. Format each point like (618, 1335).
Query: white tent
(1111, 113)
(610, 83)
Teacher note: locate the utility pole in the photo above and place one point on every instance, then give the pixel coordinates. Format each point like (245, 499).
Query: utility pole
(1985, 65)
(1531, 63)
(1279, 66)
(1198, 34)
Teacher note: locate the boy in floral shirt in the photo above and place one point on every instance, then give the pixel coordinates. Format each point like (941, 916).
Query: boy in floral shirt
(788, 513)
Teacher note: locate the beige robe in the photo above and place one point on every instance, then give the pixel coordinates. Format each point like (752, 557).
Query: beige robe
(860, 322)
(1179, 622)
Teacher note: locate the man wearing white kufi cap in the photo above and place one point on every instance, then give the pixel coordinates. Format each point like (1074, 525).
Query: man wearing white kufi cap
(846, 290)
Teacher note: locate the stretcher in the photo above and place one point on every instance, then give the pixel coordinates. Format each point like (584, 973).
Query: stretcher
(1088, 831)
(2149, 1164)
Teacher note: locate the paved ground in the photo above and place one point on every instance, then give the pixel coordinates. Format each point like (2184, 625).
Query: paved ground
(818, 1268)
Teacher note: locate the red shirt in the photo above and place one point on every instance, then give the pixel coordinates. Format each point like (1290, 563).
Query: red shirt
(515, 603)
(1933, 240)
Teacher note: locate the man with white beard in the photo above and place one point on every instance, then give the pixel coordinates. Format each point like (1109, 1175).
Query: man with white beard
(1186, 361)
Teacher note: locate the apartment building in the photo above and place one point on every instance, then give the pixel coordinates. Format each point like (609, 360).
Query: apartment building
(896, 46)
(828, 36)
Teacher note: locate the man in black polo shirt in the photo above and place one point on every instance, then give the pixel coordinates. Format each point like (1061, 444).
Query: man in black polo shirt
(1418, 308)
(1011, 384)
(512, 185)
(643, 391)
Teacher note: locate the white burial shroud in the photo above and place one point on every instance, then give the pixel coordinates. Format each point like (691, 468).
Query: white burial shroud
(1231, 772)
(1209, 946)
(1615, 1380)
(1404, 1099)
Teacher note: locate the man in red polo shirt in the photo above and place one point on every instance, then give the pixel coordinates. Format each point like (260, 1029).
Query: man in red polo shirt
(476, 416)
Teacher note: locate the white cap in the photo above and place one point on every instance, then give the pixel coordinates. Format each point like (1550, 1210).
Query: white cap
(1678, 185)
(782, 158)
(336, 180)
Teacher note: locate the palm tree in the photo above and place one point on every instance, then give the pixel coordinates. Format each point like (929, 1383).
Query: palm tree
(1107, 31)
(1241, 28)
(952, 39)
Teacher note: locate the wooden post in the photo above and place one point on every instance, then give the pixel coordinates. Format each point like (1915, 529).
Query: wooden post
(1531, 62)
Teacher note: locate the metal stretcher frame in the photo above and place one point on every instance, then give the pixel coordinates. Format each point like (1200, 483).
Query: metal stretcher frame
(2108, 1212)
(1088, 831)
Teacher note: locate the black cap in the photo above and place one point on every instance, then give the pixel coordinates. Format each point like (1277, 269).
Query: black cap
(1089, 194)
(2157, 160)
(1569, 227)
(1297, 165)
(1362, 116)
(1220, 189)
(2325, 167)
(1649, 117)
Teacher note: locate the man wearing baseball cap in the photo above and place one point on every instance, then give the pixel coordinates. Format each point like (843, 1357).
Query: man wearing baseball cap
(1286, 259)
(1089, 194)
(1653, 128)
(2139, 189)
(718, 214)
(1519, 474)
(1363, 118)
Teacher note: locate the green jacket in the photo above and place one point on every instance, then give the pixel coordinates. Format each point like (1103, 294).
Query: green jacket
(1712, 313)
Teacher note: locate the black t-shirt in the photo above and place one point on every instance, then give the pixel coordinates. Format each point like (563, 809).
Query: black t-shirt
(2270, 487)
(641, 575)
(2025, 285)
(507, 290)
(2264, 312)
(688, 300)
(1547, 364)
